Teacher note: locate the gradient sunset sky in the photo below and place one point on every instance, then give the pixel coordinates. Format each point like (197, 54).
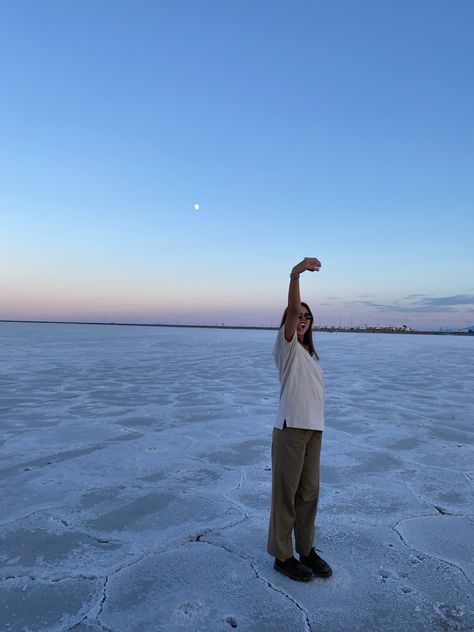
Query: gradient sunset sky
(341, 129)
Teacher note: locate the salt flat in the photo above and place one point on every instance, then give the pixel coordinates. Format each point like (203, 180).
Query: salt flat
(135, 470)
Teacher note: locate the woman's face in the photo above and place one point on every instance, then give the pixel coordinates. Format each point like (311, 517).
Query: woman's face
(303, 323)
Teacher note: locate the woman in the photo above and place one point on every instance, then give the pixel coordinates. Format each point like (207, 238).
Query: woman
(296, 440)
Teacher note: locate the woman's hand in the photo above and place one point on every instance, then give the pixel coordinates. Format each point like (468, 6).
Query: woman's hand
(308, 263)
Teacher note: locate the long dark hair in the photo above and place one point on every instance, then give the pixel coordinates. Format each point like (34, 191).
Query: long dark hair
(308, 337)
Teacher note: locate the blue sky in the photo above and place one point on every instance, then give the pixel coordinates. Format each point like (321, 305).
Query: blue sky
(338, 129)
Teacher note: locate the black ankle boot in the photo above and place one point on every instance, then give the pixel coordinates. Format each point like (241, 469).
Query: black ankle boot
(294, 569)
(319, 566)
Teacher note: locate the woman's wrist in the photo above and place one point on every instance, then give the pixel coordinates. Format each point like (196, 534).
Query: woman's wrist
(294, 275)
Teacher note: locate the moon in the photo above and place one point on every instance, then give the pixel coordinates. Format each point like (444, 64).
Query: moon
(196, 207)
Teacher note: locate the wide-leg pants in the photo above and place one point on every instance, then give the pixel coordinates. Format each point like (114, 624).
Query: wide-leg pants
(295, 490)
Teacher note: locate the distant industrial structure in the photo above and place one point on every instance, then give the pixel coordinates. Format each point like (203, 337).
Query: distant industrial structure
(391, 329)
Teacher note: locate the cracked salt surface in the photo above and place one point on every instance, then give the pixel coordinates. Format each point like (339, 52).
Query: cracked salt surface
(136, 482)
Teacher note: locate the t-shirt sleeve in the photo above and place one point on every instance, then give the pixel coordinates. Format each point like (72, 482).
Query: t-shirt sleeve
(282, 347)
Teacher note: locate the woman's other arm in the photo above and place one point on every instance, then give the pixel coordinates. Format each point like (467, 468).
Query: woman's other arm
(294, 299)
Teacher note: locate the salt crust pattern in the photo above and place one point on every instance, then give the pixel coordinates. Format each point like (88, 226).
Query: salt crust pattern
(136, 483)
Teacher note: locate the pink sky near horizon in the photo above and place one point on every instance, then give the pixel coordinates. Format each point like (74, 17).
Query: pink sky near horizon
(242, 312)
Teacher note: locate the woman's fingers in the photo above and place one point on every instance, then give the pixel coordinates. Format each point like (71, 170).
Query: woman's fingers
(312, 263)
(308, 263)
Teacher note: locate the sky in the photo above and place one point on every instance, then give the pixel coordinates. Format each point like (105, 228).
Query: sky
(337, 129)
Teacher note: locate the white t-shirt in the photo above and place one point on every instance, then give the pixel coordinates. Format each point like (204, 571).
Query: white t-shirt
(301, 385)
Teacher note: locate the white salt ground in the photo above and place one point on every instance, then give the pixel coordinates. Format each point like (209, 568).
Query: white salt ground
(135, 483)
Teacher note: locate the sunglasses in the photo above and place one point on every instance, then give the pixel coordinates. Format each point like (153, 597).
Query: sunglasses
(306, 316)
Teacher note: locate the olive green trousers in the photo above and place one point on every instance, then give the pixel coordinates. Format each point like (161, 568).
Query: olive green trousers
(295, 490)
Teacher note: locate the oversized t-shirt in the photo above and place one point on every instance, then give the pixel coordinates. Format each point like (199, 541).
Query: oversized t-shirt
(302, 395)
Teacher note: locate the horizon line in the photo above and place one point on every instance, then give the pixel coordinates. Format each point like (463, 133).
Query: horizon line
(389, 329)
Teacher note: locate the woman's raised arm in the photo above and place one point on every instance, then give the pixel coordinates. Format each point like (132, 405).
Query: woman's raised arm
(294, 299)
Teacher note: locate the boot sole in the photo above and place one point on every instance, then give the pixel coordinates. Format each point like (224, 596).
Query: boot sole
(294, 577)
(323, 575)
(320, 574)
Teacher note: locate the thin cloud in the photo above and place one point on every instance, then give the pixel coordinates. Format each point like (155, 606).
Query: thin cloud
(418, 304)
(459, 299)
(451, 304)
(365, 303)
(410, 297)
